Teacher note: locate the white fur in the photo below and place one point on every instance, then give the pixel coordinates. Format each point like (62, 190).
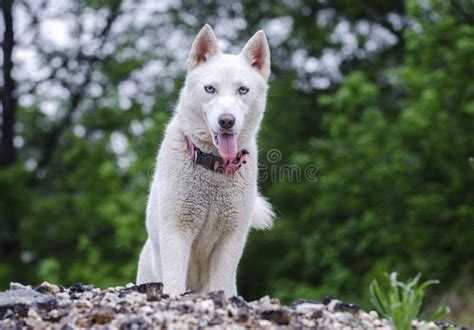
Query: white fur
(198, 220)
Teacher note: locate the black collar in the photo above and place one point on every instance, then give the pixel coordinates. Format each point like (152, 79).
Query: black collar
(215, 163)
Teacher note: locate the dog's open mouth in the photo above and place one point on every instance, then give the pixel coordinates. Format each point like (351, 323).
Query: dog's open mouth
(226, 144)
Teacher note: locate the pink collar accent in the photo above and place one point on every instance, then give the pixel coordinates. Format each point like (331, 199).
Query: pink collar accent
(215, 163)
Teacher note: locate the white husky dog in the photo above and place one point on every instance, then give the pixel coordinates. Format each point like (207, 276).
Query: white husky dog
(204, 200)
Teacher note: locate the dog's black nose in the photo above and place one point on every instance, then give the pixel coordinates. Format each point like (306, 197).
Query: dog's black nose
(226, 120)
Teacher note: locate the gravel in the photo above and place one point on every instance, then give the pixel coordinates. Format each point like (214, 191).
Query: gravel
(50, 306)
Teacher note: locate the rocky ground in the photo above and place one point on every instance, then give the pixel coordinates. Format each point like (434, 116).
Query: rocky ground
(145, 306)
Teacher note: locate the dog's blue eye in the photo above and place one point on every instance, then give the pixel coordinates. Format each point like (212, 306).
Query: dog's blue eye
(210, 89)
(243, 90)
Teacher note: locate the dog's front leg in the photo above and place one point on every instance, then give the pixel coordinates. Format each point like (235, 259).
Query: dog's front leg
(175, 249)
(224, 261)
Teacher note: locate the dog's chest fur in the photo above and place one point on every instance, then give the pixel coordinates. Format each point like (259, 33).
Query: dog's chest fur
(209, 204)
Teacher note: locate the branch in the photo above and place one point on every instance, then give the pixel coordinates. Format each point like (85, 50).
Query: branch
(54, 135)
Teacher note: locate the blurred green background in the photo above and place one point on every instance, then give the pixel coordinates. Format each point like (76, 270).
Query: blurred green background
(379, 95)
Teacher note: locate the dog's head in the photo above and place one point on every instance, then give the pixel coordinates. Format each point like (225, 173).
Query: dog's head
(224, 94)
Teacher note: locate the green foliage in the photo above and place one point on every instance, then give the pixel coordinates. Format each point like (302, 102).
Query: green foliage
(401, 302)
(394, 187)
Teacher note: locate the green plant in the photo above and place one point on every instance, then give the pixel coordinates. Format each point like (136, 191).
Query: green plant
(401, 302)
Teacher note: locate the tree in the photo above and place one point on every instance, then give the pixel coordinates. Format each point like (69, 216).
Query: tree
(58, 125)
(394, 179)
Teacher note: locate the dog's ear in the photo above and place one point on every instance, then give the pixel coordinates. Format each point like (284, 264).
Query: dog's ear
(257, 53)
(204, 47)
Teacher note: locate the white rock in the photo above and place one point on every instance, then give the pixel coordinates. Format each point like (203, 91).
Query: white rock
(327, 315)
(343, 317)
(146, 309)
(53, 287)
(33, 314)
(205, 306)
(332, 304)
(83, 304)
(308, 323)
(432, 326)
(336, 325)
(264, 324)
(373, 315)
(87, 295)
(110, 297)
(62, 295)
(16, 286)
(378, 323)
(309, 307)
(158, 317)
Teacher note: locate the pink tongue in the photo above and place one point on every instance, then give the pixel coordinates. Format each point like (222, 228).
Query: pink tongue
(227, 146)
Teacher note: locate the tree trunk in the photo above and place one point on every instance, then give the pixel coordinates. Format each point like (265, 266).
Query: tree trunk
(7, 149)
(10, 246)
